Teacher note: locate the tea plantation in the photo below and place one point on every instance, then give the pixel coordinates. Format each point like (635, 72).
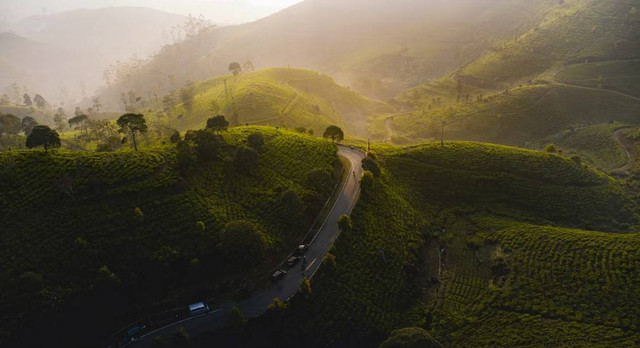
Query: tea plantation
(78, 227)
(513, 268)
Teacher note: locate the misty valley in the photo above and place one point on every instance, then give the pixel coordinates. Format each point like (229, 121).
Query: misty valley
(320, 173)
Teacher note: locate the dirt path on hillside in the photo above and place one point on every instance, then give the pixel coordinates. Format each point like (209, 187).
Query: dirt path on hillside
(629, 149)
(387, 126)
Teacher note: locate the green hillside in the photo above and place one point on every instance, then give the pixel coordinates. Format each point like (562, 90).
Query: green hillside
(524, 116)
(621, 76)
(65, 215)
(574, 32)
(280, 97)
(507, 277)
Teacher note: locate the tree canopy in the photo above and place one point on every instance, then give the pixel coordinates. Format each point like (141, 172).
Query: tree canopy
(235, 68)
(217, 123)
(132, 123)
(243, 243)
(10, 124)
(43, 136)
(28, 123)
(334, 133)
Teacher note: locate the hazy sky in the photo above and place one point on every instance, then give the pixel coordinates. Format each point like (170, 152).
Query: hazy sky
(221, 11)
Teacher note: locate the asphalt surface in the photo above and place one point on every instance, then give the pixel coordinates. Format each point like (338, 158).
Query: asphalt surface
(289, 285)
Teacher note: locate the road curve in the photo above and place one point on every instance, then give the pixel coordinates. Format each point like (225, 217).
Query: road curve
(289, 285)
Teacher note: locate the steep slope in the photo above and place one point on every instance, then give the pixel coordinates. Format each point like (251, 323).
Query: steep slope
(459, 240)
(378, 46)
(576, 31)
(160, 234)
(284, 97)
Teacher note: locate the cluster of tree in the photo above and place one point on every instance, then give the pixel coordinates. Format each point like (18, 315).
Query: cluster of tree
(39, 101)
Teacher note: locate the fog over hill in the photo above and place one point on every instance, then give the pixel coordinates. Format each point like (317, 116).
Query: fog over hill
(63, 56)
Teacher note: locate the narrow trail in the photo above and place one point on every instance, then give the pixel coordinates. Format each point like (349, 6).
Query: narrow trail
(629, 149)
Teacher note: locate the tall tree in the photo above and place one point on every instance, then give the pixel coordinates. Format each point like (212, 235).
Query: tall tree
(28, 123)
(217, 123)
(60, 121)
(235, 68)
(40, 101)
(43, 136)
(10, 124)
(187, 93)
(132, 123)
(334, 133)
(79, 121)
(26, 100)
(248, 66)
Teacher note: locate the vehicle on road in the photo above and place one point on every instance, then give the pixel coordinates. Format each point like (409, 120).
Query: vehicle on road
(134, 332)
(198, 308)
(279, 274)
(292, 261)
(301, 249)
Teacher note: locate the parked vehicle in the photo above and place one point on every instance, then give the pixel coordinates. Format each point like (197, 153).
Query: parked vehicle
(198, 308)
(279, 274)
(301, 249)
(292, 261)
(134, 332)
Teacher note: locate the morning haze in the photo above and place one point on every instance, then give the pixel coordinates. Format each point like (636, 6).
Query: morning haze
(320, 173)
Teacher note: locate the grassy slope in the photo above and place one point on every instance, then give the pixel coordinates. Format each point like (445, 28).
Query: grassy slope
(291, 97)
(40, 223)
(576, 31)
(621, 76)
(381, 278)
(595, 143)
(524, 116)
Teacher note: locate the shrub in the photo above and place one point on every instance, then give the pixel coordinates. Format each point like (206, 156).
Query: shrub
(411, 337)
(577, 159)
(345, 223)
(243, 243)
(175, 137)
(247, 159)
(305, 287)
(159, 342)
(277, 305)
(320, 180)
(291, 203)
(180, 338)
(105, 276)
(551, 148)
(235, 319)
(255, 140)
(370, 164)
(207, 145)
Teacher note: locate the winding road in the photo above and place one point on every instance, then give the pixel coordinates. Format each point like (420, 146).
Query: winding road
(289, 285)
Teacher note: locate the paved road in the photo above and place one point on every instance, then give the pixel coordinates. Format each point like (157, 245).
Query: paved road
(289, 285)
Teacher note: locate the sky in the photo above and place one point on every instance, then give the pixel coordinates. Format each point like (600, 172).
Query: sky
(218, 11)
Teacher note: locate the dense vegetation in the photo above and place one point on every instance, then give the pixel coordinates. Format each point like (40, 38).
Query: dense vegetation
(435, 244)
(149, 225)
(281, 97)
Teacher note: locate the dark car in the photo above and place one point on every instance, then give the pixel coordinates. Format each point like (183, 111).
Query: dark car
(292, 261)
(135, 331)
(301, 249)
(279, 274)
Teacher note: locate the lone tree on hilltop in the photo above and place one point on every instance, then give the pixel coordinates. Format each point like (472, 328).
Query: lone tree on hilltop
(248, 66)
(28, 123)
(43, 136)
(235, 68)
(132, 123)
(217, 123)
(334, 133)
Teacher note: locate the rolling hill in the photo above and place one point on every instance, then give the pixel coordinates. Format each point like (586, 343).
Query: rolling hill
(92, 241)
(479, 245)
(378, 47)
(280, 97)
